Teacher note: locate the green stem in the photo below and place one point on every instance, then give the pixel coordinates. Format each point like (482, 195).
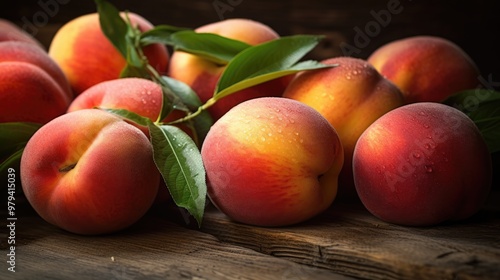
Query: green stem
(205, 106)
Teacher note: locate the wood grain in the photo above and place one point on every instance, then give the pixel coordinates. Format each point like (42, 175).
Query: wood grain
(154, 248)
(349, 240)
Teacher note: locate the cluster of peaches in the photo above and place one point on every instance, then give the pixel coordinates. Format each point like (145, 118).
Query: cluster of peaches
(277, 154)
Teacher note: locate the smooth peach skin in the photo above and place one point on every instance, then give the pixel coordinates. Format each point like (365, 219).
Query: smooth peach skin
(30, 53)
(89, 172)
(141, 96)
(422, 164)
(426, 68)
(29, 94)
(202, 75)
(11, 32)
(272, 162)
(350, 96)
(87, 57)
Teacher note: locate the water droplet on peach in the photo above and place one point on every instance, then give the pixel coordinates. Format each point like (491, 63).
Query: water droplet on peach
(428, 169)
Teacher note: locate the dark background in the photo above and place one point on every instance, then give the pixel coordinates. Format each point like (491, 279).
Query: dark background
(470, 24)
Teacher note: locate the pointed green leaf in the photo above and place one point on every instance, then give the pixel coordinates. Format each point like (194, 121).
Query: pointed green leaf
(128, 115)
(265, 61)
(13, 161)
(160, 34)
(113, 25)
(261, 78)
(14, 136)
(210, 46)
(203, 121)
(181, 166)
(483, 107)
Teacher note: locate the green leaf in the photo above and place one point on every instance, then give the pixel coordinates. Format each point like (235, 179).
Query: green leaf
(13, 161)
(113, 25)
(181, 166)
(267, 61)
(483, 107)
(160, 34)
(200, 123)
(210, 46)
(14, 136)
(128, 115)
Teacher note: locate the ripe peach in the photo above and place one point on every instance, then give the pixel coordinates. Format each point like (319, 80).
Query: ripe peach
(11, 32)
(272, 161)
(426, 68)
(422, 164)
(89, 172)
(26, 52)
(202, 75)
(350, 96)
(141, 96)
(87, 57)
(29, 94)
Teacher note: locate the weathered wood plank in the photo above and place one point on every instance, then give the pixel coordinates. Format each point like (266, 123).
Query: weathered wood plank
(349, 240)
(155, 248)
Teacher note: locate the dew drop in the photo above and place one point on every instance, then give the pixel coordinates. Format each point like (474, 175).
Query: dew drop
(428, 169)
(263, 139)
(144, 101)
(416, 155)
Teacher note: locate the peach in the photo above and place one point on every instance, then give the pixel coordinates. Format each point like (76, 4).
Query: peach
(138, 95)
(89, 172)
(202, 75)
(11, 32)
(422, 164)
(87, 57)
(426, 68)
(26, 52)
(350, 96)
(272, 161)
(29, 94)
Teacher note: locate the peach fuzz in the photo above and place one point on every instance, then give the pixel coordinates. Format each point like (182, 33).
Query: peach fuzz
(87, 57)
(11, 32)
(426, 68)
(202, 75)
(89, 172)
(350, 96)
(26, 52)
(272, 162)
(29, 94)
(422, 164)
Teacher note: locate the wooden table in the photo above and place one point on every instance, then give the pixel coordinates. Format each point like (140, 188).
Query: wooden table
(343, 243)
